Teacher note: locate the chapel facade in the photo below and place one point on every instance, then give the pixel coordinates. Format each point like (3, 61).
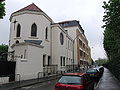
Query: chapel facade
(37, 44)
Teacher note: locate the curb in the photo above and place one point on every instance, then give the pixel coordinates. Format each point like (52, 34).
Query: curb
(44, 80)
(98, 84)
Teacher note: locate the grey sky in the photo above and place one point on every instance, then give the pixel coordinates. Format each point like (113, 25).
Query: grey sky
(88, 12)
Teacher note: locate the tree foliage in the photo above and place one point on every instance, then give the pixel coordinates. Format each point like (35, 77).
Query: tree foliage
(3, 52)
(112, 29)
(100, 61)
(112, 36)
(2, 9)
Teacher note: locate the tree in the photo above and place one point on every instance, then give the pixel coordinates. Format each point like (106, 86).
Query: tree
(100, 61)
(112, 29)
(2, 9)
(3, 52)
(112, 36)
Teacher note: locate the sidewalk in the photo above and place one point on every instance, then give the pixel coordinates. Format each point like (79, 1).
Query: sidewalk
(14, 85)
(108, 82)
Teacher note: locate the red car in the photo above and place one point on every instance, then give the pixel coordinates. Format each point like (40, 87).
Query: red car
(75, 81)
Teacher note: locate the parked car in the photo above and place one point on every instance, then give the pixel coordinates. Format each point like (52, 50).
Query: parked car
(94, 72)
(74, 81)
(101, 69)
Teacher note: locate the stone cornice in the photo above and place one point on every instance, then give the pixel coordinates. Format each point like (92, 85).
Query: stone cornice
(24, 43)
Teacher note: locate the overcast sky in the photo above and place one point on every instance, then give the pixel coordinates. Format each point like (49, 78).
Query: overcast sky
(88, 12)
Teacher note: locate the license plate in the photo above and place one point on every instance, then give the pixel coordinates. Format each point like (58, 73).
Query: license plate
(91, 74)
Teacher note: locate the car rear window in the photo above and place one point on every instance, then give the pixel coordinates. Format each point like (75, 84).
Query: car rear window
(72, 80)
(91, 71)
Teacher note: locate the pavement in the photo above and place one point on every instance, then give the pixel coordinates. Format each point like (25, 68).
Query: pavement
(24, 83)
(108, 82)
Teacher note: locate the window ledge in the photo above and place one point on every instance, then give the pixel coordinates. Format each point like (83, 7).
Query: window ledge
(17, 38)
(33, 37)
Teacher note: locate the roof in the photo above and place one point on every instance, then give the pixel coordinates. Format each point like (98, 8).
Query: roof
(31, 7)
(71, 23)
(38, 42)
(74, 74)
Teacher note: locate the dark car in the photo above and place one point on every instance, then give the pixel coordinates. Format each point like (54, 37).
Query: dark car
(75, 81)
(94, 72)
(101, 69)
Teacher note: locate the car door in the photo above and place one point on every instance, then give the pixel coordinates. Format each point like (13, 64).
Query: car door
(85, 83)
(90, 82)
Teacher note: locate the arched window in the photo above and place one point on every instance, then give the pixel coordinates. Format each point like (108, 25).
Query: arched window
(34, 30)
(61, 38)
(18, 30)
(17, 42)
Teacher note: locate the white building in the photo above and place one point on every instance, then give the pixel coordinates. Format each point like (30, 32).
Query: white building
(38, 44)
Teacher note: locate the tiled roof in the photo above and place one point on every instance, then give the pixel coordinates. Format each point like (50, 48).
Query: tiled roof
(31, 7)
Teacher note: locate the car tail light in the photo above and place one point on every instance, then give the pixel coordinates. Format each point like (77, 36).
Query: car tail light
(57, 87)
(81, 87)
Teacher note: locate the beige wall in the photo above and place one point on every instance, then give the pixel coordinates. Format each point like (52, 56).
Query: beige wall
(28, 67)
(59, 50)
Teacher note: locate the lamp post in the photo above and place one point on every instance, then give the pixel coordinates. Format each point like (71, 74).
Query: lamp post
(73, 49)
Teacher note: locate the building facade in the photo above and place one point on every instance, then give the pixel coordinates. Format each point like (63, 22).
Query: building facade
(37, 44)
(82, 55)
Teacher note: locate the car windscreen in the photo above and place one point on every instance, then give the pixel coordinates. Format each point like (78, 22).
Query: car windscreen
(91, 71)
(72, 80)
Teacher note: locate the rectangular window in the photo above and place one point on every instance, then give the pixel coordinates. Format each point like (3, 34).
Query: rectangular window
(83, 45)
(81, 53)
(49, 61)
(84, 55)
(80, 42)
(44, 60)
(61, 61)
(46, 33)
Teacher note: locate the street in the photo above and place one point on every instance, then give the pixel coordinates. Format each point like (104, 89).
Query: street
(107, 82)
(41, 86)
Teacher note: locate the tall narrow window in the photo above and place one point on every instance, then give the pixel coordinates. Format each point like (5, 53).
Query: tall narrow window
(49, 62)
(46, 33)
(34, 30)
(44, 60)
(18, 30)
(61, 61)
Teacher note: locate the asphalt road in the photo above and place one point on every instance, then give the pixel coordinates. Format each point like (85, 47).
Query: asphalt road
(49, 85)
(107, 82)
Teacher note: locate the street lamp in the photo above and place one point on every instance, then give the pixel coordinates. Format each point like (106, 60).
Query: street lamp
(73, 49)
